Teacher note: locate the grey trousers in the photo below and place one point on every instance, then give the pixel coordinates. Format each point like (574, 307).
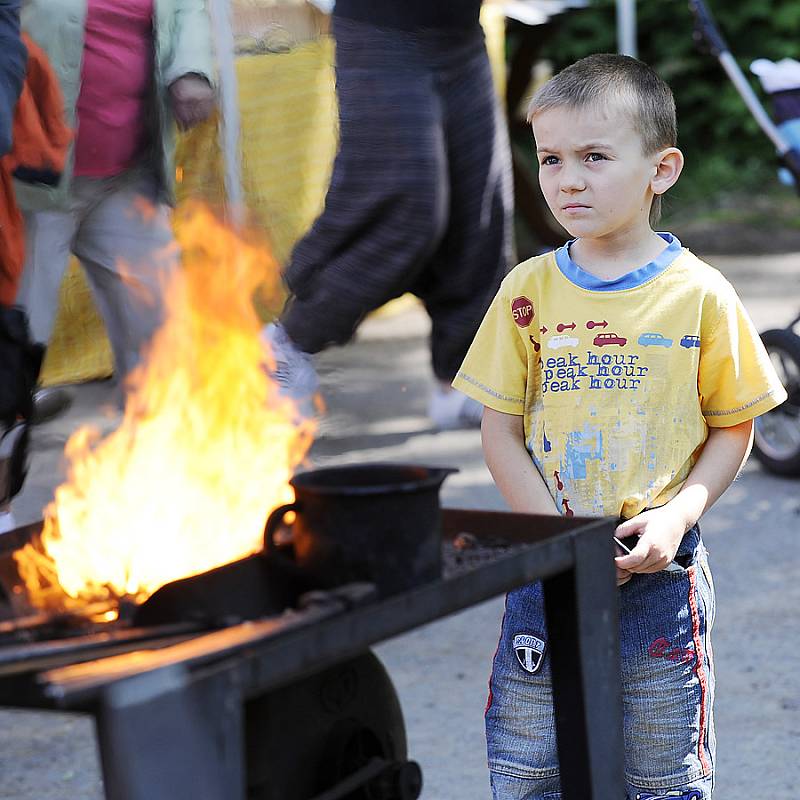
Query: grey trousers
(420, 198)
(123, 238)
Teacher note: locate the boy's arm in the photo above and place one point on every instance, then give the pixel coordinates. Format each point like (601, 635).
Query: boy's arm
(661, 529)
(516, 476)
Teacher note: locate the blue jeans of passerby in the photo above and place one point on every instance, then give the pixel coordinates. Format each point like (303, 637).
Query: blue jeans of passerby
(667, 687)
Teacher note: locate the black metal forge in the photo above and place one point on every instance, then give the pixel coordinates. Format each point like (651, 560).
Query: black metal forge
(294, 706)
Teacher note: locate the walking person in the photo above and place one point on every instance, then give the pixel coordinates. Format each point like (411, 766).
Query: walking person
(128, 71)
(420, 196)
(621, 376)
(12, 371)
(33, 144)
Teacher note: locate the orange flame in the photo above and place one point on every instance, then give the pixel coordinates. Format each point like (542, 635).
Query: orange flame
(202, 455)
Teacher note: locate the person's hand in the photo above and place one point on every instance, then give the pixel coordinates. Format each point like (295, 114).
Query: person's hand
(660, 533)
(192, 100)
(623, 576)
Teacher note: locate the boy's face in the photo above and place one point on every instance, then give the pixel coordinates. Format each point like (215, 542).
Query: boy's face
(593, 172)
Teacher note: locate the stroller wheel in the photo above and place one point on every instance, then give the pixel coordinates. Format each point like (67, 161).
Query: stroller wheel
(776, 441)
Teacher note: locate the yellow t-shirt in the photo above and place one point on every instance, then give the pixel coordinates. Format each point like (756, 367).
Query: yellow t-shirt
(618, 381)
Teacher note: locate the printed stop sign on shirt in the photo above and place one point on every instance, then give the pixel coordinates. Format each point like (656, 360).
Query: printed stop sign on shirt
(522, 311)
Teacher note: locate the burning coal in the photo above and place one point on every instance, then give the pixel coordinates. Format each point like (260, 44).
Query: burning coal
(202, 455)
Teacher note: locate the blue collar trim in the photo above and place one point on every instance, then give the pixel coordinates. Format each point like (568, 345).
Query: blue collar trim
(630, 280)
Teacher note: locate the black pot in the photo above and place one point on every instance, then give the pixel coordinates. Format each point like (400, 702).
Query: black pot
(379, 523)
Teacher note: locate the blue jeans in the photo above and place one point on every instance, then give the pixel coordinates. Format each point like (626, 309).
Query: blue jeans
(667, 688)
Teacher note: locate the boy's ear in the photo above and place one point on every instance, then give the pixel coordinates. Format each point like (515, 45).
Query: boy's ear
(668, 167)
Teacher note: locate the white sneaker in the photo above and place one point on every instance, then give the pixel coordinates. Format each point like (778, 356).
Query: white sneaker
(450, 409)
(7, 522)
(293, 370)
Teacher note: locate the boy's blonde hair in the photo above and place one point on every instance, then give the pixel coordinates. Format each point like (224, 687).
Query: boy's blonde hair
(607, 77)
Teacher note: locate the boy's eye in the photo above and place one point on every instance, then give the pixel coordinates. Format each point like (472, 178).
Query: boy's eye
(595, 157)
(549, 161)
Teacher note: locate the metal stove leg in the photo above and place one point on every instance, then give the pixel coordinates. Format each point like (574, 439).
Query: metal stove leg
(583, 632)
(163, 739)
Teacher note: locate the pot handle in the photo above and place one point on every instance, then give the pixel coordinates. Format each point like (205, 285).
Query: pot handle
(273, 521)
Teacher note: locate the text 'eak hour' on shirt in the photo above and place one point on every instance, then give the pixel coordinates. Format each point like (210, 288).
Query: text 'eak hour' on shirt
(619, 381)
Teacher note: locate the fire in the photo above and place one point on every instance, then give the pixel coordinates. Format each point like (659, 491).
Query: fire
(202, 455)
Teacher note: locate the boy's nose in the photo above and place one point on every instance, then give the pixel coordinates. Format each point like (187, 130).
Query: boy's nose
(571, 180)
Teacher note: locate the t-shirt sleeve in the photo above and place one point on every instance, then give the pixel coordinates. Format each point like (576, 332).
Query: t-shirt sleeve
(736, 380)
(495, 369)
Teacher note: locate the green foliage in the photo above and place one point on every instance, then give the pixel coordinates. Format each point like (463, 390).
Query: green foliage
(724, 147)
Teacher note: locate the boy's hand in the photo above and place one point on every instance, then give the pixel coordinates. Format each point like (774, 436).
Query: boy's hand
(660, 535)
(623, 576)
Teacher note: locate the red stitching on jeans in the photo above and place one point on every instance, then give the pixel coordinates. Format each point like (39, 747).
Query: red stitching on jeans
(699, 667)
(489, 699)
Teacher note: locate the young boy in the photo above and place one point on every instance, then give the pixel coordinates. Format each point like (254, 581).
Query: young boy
(620, 376)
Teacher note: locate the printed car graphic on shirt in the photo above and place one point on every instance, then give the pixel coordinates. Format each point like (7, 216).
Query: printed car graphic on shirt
(556, 342)
(690, 341)
(654, 339)
(603, 339)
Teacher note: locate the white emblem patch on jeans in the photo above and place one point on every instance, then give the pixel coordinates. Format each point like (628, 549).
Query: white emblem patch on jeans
(530, 651)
